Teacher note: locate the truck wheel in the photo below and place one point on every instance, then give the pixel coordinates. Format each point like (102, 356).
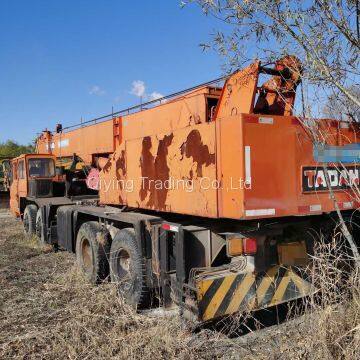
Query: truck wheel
(38, 227)
(29, 219)
(92, 251)
(127, 268)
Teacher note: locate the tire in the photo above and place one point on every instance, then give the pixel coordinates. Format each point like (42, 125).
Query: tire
(29, 220)
(38, 227)
(92, 251)
(127, 268)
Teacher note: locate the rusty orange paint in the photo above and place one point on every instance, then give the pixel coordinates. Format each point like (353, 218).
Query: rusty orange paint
(86, 142)
(248, 138)
(214, 139)
(91, 142)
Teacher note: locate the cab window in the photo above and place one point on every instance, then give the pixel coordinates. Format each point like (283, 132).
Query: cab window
(21, 170)
(14, 172)
(41, 167)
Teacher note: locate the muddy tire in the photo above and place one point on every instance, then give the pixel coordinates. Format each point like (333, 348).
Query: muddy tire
(29, 220)
(127, 268)
(38, 227)
(92, 251)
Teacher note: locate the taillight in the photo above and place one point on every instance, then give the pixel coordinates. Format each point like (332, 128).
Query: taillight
(170, 227)
(249, 246)
(234, 246)
(241, 246)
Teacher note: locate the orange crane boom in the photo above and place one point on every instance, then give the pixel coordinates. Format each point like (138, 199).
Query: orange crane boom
(87, 142)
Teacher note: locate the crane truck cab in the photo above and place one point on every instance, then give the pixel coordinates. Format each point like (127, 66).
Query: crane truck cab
(34, 179)
(39, 186)
(32, 176)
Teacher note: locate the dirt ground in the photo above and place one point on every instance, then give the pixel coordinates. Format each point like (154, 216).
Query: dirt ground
(48, 311)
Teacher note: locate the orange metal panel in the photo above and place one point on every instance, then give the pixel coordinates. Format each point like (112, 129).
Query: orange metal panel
(239, 92)
(272, 149)
(279, 150)
(85, 142)
(261, 160)
(253, 163)
(185, 111)
(230, 166)
(168, 172)
(238, 97)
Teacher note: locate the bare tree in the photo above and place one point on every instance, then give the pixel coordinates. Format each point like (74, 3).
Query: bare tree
(340, 107)
(324, 34)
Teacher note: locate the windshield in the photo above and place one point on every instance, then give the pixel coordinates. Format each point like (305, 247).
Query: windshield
(41, 167)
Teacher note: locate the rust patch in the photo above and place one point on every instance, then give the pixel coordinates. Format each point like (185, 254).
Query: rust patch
(107, 166)
(155, 169)
(194, 120)
(162, 170)
(147, 167)
(121, 188)
(121, 165)
(194, 147)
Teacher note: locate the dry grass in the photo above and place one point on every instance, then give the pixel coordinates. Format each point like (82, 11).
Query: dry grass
(47, 310)
(335, 331)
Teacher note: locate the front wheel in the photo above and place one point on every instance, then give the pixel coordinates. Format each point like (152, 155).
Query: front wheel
(29, 219)
(39, 227)
(127, 268)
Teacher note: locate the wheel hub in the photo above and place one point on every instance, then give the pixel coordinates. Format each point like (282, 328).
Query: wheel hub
(124, 268)
(86, 255)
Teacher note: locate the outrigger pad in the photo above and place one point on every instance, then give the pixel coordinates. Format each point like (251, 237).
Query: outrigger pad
(228, 293)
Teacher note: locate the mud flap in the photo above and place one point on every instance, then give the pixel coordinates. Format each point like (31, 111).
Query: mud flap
(281, 284)
(229, 293)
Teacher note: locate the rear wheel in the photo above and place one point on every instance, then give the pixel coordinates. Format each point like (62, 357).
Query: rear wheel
(29, 219)
(92, 251)
(127, 268)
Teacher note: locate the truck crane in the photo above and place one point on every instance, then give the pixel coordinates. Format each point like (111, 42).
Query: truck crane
(208, 197)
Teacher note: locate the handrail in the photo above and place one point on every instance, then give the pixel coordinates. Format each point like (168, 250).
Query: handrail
(128, 110)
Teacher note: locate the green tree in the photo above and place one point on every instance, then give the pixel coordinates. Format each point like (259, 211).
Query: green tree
(10, 149)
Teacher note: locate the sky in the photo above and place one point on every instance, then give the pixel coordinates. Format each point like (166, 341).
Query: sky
(63, 61)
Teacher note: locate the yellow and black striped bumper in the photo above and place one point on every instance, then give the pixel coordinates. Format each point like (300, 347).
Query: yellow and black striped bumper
(235, 292)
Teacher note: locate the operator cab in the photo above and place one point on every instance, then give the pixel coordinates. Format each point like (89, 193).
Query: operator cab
(33, 176)
(41, 177)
